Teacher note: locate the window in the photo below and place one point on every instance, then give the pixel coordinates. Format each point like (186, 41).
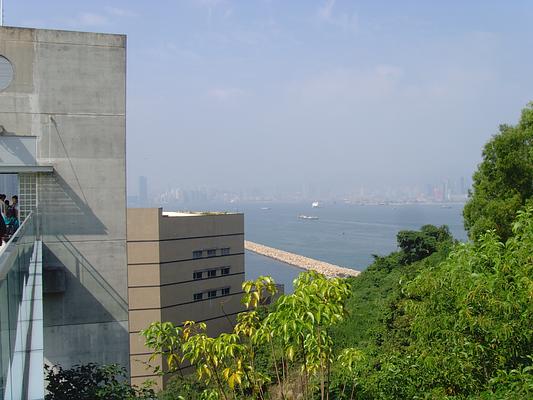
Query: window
(224, 271)
(6, 73)
(211, 252)
(197, 275)
(198, 296)
(211, 294)
(197, 254)
(211, 273)
(224, 251)
(225, 291)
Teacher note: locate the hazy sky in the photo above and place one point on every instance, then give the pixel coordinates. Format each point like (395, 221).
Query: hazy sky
(235, 94)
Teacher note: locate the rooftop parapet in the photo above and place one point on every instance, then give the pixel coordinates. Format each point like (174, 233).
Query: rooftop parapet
(196, 213)
(153, 223)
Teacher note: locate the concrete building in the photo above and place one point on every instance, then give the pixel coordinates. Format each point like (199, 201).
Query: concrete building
(181, 266)
(63, 118)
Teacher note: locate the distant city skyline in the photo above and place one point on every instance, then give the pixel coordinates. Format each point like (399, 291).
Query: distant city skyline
(445, 190)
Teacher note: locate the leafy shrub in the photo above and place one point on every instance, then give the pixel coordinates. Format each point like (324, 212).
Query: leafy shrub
(90, 382)
(417, 245)
(183, 388)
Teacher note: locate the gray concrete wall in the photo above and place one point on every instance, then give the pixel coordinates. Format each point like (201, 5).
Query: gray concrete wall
(69, 91)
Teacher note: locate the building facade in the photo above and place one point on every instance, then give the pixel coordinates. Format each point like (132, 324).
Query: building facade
(63, 132)
(181, 266)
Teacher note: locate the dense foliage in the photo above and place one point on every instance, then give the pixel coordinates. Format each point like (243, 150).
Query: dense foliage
(375, 294)
(92, 382)
(471, 316)
(460, 328)
(504, 180)
(186, 387)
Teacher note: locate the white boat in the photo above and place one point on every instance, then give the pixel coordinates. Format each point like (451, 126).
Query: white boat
(315, 204)
(307, 217)
(265, 208)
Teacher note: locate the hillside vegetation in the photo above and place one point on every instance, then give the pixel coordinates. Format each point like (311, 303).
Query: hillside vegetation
(457, 324)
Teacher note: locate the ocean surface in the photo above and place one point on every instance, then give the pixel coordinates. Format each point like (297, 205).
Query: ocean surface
(344, 234)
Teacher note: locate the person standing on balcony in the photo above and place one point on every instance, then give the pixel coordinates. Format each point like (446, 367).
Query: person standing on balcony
(15, 205)
(12, 222)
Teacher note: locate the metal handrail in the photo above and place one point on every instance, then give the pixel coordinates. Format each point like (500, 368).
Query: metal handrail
(7, 253)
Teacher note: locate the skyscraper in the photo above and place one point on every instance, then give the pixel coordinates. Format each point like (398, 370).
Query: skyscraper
(143, 191)
(462, 187)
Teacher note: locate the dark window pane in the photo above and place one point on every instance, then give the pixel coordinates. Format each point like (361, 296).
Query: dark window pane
(197, 275)
(197, 254)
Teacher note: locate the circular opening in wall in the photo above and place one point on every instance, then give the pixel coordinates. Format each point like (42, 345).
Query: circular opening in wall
(6, 73)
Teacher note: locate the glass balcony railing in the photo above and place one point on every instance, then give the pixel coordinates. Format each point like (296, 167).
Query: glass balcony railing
(21, 323)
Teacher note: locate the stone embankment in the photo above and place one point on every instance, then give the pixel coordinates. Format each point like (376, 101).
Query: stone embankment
(299, 261)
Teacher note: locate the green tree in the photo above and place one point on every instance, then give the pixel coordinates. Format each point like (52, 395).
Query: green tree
(296, 330)
(92, 382)
(503, 182)
(417, 245)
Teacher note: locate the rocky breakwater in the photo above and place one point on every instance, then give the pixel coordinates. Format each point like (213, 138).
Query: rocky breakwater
(299, 261)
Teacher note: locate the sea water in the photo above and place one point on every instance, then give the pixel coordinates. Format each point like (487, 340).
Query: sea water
(344, 234)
